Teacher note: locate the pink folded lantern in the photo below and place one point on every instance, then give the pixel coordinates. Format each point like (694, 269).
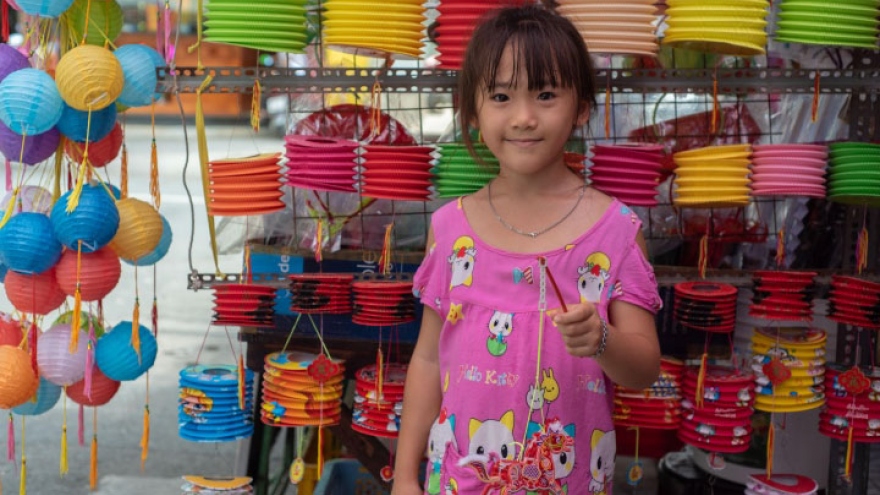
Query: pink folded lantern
(789, 170)
(320, 163)
(630, 172)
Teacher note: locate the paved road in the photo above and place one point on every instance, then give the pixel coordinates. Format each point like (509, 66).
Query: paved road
(184, 317)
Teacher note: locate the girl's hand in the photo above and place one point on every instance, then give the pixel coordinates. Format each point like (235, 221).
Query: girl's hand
(403, 488)
(580, 327)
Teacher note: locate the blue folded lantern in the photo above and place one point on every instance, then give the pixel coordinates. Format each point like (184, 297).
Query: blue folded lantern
(94, 221)
(116, 357)
(47, 396)
(28, 243)
(30, 102)
(75, 125)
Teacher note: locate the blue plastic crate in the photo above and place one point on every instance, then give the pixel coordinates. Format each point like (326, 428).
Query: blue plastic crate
(347, 477)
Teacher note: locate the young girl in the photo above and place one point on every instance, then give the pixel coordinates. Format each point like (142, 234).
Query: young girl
(505, 370)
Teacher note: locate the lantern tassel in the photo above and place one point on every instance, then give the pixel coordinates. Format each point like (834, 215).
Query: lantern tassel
(59, 161)
(93, 463)
(154, 316)
(376, 108)
(771, 441)
(10, 207)
(780, 247)
(22, 486)
(123, 173)
(77, 303)
(862, 250)
(145, 437)
(701, 378)
(10, 440)
(814, 110)
(81, 426)
(154, 162)
(135, 329)
(62, 468)
(255, 106)
(241, 382)
(847, 470)
(319, 240)
(385, 258)
(703, 260)
(380, 374)
(320, 460)
(73, 199)
(715, 110)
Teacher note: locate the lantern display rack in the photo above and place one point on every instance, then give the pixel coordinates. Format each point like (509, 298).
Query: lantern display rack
(199, 281)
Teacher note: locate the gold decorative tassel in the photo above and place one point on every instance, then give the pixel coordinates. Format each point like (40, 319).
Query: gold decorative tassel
(771, 441)
(241, 382)
(376, 108)
(255, 105)
(380, 374)
(22, 486)
(385, 258)
(123, 173)
(135, 328)
(847, 470)
(703, 261)
(10, 208)
(59, 161)
(319, 240)
(154, 164)
(62, 467)
(715, 110)
(145, 438)
(701, 378)
(73, 199)
(780, 247)
(77, 303)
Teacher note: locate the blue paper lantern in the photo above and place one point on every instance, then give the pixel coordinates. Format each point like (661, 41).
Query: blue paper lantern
(30, 102)
(161, 249)
(94, 221)
(11, 60)
(47, 396)
(117, 359)
(74, 124)
(28, 244)
(139, 64)
(44, 8)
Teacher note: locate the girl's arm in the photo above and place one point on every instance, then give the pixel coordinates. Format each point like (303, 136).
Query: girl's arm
(421, 405)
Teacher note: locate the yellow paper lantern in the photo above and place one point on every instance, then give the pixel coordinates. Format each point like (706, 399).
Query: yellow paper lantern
(18, 382)
(89, 77)
(140, 229)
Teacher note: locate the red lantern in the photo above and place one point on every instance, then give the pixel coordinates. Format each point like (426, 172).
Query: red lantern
(10, 331)
(37, 294)
(98, 275)
(101, 152)
(103, 389)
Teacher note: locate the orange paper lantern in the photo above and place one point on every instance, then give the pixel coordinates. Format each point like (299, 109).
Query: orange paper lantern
(18, 382)
(37, 294)
(140, 228)
(98, 275)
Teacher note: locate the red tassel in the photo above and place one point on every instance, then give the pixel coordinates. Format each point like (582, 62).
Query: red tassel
(81, 426)
(10, 439)
(32, 346)
(154, 316)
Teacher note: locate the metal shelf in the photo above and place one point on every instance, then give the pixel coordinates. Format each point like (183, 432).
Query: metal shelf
(323, 80)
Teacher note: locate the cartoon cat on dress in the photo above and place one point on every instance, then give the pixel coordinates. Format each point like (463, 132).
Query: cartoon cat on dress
(604, 448)
(442, 434)
(488, 437)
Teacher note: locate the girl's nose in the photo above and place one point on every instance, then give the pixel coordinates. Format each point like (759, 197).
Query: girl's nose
(524, 116)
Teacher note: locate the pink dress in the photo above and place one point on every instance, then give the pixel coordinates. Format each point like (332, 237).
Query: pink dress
(503, 378)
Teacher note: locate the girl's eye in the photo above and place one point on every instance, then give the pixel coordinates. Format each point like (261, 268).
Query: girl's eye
(546, 95)
(498, 97)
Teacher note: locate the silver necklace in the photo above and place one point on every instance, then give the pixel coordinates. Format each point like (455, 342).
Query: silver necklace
(537, 232)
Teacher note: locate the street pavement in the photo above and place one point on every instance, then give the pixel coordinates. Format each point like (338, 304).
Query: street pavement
(185, 337)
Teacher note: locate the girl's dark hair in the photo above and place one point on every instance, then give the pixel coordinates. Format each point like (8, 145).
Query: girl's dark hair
(550, 47)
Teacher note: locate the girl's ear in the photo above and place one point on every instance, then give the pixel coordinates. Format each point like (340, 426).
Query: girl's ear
(583, 115)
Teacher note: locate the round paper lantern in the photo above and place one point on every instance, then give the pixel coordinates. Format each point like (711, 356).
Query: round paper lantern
(117, 358)
(30, 102)
(34, 199)
(74, 124)
(11, 60)
(89, 77)
(55, 360)
(139, 63)
(101, 152)
(99, 273)
(85, 320)
(104, 18)
(46, 397)
(161, 249)
(37, 294)
(103, 389)
(94, 221)
(28, 244)
(44, 8)
(17, 379)
(10, 330)
(140, 228)
(37, 148)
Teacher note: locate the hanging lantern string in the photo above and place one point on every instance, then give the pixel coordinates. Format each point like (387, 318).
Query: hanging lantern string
(86, 24)
(320, 336)
(73, 199)
(155, 194)
(169, 47)
(154, 316)
(197, 46)
(135, 319)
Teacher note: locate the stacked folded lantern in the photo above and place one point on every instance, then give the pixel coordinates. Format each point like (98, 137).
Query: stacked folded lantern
(629, 172)
(719, 420)
(824, 22)
(789, 170)
(783, 295)
(215, 403)
(789, 365)
(706, 306)
(374, 28)
(717, 26)
(853, 402)
(622, 27)
(204, 485)
(455, 24)
(319, 163)
(326, 293)
(379, 303)
(853, 174)
(854, 301)
(244, 186)
(780, 484)
(301, 389)
(714, 176)
(457, 173)
(246, 305)
(378, 400)
(268, 26)
(396, 172)
(656, 407)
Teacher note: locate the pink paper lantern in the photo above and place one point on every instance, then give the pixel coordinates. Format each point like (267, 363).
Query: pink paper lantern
(103, 389)
(36, 294)
(10, 330)
(98, 275)
(57, 364)
(18, 382)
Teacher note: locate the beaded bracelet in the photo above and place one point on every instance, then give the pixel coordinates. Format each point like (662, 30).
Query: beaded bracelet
(604, 342)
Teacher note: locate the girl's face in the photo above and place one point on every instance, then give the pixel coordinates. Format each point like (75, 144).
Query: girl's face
(526, 129)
